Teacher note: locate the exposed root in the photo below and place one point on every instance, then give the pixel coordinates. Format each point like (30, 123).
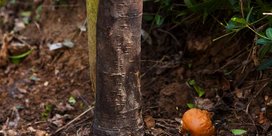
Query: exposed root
(75, 119)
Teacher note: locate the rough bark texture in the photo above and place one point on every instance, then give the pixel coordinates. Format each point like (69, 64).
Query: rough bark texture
(92, 6)
(118, 97)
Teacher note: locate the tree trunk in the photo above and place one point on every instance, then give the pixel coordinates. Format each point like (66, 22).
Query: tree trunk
(118, 97)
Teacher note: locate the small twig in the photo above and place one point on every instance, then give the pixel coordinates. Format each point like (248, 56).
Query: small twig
(36, 123)
(79, 30)
(242, 8)
(153, 66)
(254, 124)
(177, 41)
(3, 132)
(268, 14)
(169, 125)
(17, 117)
(253, 49)
(22, 41)
(259, 91)
(38, 26)
(75, 119)
(78, 132)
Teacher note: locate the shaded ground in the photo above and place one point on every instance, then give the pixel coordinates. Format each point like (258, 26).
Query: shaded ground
(40, 86)
(50, 88)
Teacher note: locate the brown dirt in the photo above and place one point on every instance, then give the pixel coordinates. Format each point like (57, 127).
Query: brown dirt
(34, 95)
(39, 87)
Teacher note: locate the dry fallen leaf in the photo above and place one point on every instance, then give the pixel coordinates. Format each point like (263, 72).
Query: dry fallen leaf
(12, 133)
(4, 50)
(149, 121)
(225, 83)
(205, 104)
(31, 129)
(262, 118)
(238, 92)
(196, 44)
(41, 133)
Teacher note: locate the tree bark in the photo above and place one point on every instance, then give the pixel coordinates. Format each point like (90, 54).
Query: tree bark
(118, 97)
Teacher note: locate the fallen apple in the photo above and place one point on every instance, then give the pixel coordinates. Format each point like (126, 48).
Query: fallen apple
(197, 122)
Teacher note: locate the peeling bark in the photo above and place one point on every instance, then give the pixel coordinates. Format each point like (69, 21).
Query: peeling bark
(118, 97)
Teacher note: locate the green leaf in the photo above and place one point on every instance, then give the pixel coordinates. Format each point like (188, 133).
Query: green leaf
(236, 24)
(192, 82)
(233, 26)
(182, 13)
(189, 3)
(263, 41)
(265, 65)
(249, 14)
(72, 100)
(21, 55)
(194, 6)
(239, 20)
(264, 50)
(232, 2)
(166, 2)
(48, 109)
(38, 12)
(159, 20)
(26, 20)
(238, 131)
(190, 65)
(230, 26)
(200, 91)
(268, 33)
(26, 14)
(191, 105)
(18, 58)
(12, 1)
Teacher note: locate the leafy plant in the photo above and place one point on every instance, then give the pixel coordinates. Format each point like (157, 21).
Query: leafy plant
(236, 16)
(72, 100)
(47, 111)
(266, 47)
(237, 24)
(38, 12)
(207, 7)
(158, 18)
(18, 58)
(26, 16)
(191, 105)
(238, 131)
(200, 91)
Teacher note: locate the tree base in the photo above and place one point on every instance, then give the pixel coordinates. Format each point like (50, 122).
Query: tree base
(98, 131)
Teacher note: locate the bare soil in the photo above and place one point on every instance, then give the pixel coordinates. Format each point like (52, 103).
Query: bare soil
(48, 93)
(35, 93)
